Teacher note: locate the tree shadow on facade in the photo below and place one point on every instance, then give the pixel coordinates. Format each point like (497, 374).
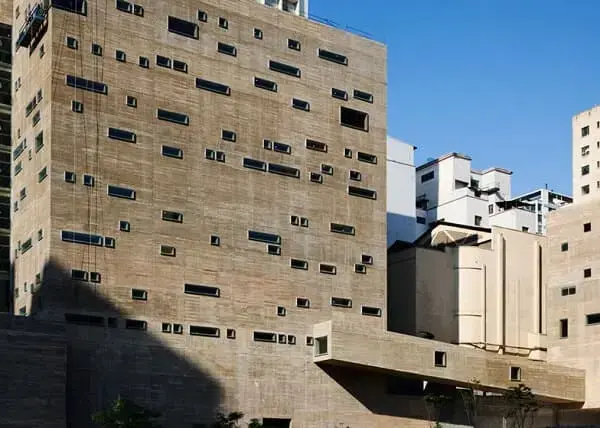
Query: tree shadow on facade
(108, 356)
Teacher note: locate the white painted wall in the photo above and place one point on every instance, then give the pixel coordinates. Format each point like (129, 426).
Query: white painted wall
(515, 219)
(401, 211)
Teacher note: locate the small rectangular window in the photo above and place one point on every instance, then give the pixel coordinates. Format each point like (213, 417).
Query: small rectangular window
(316, 146)
(315, 177)
(230, 333)
(120, 56)
(210, 154)
(587, 227)
(310, 341)
(180, 66)
(166, 327)
(342, 228)
(267, 238)
(163, 61)
(587, 273)
(215, 241)
(178, 328)
(263, 336)
(281, 338)
(202, 16)
(363, 96)
(585, 190)
(333, 57)
(564, 328)
(72, 43)
(585, 131)
(291, 339)
(174, 216)
(79, 275)
(265, 84)
(26, 246)
(42, 174)
(255, 164)
(355, 175)
(585, 170)
(223, 23)
(220, 157)
(348, 153)
(18, 168)
(172, 152)
(96, 49)
(439, 359)
(295, 220)
(124, 6)
(515, 373)
(137, 294)
(302, 302)
(326, 169)
(138, 10)
(144, 62)
(274, 250)
(299, 264)
(339, 94)
(354, 119)
(131, 101)
(280, 67)
(216, 87)
(88, 180)
(328, 269)
(23, 193)
(284, 170)
(70, 177)
(360, 268)
(120, 192)
(198, 330)
(258, 34)
(341, 302)
(95, 277)
(183, 27)
(281, 311)
(122, 135)
(124, 226)
(170, 116)
(367, 259)
(366, 157)
(371, 311)
(168, 250)
(564, 246)
(112, 322)
(136, 325)
(226, 49)
(362, 193)
(36, 118)
(303, 222)
(592, 319)
(294, 45)
(282, 148)
(109, 242)
(77, 106)
(202, 290)
(300, 104)
(228, 135)
(321, 348)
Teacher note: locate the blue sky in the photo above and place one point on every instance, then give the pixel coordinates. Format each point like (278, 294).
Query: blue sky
(498, 80)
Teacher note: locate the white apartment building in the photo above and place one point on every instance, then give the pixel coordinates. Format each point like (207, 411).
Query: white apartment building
(401, 211)
(449, 190)
(297, 7)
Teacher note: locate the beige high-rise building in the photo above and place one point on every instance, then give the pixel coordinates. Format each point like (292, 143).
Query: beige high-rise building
(586, 155)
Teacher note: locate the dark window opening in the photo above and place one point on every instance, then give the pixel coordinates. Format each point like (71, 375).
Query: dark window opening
(341, 302)
(363, 96)
(163, 61)
(267, 238)
(362, 193)
(228, 135)
(174, 216)
(180, 66)
(564, 328)
(136, 325)
(137, 294)
(294, 45)
(121, 134)
(120, 192)
(170, 116)
(284, 68)
(172, 152)
(207, 85)
(587, 227)
(226, 49)
(183, 27)
(300, 104)
(299, 264)
(263, 336)
(88, 85)
(333, 57)
(354, 119)
(301, 302)
(316, 146)
(342, 228)
(587, 273)
(439, 359)
(202, 16)
(202, 290)
(255, 164)
(198, 330)
(339, 94)
(284, 170)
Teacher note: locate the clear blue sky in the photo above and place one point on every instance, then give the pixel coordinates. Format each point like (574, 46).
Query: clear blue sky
(498, 80)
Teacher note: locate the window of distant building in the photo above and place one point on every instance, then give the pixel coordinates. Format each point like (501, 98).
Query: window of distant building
(585, 131)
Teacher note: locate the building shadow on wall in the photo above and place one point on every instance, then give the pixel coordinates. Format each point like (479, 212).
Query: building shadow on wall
(108, 356)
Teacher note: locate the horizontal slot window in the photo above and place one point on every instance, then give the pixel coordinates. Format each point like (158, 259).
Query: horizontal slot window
(136, 325)
(180, 66)
(371, 311)
(354, 119)
(163, 61)
(265, 84)
(369, 158)
(333, 57)
(267, 238)
(227, 49)
(264, 336)
(592, 319)
(299, 264)
(284, 170)
(200, 330)
(284, 68)
(363, 96)
(228, 135)
(282, 148)
(301, 302)
(202, 290)
(82, 238)
(342, 228)
(74, 6)
(88, 85)
(172, 152)
(328, 269)
(121, 134)
(82, 319)
(367, 259)
(171, 116)
(168, 250)
(339, 94)
(300, 104)
(316, 146)
(255, 164)
(341, 302)
(362, 193)
(120, 192)
(207, 85)
(173, 216)
(124, 6)
(137, 294)
(183, 27)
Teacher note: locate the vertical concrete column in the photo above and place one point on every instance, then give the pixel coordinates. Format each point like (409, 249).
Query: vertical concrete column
(501, 280)
(483, 338)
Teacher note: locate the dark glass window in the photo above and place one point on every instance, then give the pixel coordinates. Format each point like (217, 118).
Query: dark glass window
(183, 27)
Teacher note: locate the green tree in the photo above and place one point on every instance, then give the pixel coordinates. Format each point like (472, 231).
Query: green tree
(124, 413)
(521, 406)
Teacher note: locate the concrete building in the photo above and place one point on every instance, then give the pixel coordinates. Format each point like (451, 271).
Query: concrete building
(5, 151)
(586, 154)
(401, 211)
(202, 207)
(297, 7)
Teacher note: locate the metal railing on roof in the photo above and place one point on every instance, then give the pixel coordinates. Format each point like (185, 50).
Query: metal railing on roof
(334, 24)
